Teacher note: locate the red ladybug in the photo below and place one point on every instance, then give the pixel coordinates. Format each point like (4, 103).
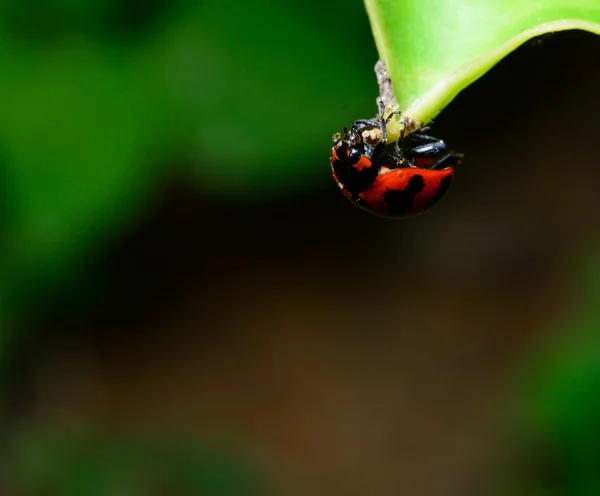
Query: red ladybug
(395, 181)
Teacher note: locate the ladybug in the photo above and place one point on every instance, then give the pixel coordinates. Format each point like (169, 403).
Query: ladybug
(397, 180)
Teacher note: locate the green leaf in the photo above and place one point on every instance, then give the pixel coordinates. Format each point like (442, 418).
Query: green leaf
(434, 48)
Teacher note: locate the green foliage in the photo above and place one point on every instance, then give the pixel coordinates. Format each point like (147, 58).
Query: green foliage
(102, 99)
(435, 48)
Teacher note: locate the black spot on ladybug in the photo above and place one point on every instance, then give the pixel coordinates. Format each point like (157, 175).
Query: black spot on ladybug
(443, 188)
(400, 200)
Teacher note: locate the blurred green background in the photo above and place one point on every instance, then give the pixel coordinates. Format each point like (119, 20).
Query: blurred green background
(189, 306)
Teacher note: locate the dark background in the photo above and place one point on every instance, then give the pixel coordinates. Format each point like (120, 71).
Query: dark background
(189, 306)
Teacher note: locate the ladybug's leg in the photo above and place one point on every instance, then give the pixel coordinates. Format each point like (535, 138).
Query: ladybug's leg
(429, 152)
(398, 146)
(392, 114)
(423, 138)
(436, 155)
(361, 124)
(393, 160)
(428, 149)
(384, 127)
(446, 160)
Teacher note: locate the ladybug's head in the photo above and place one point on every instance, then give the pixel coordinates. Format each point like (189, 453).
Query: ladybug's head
(351, 162)
(350, 146)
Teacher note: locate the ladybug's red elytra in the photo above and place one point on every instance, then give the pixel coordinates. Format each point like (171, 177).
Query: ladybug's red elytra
(395, 180)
